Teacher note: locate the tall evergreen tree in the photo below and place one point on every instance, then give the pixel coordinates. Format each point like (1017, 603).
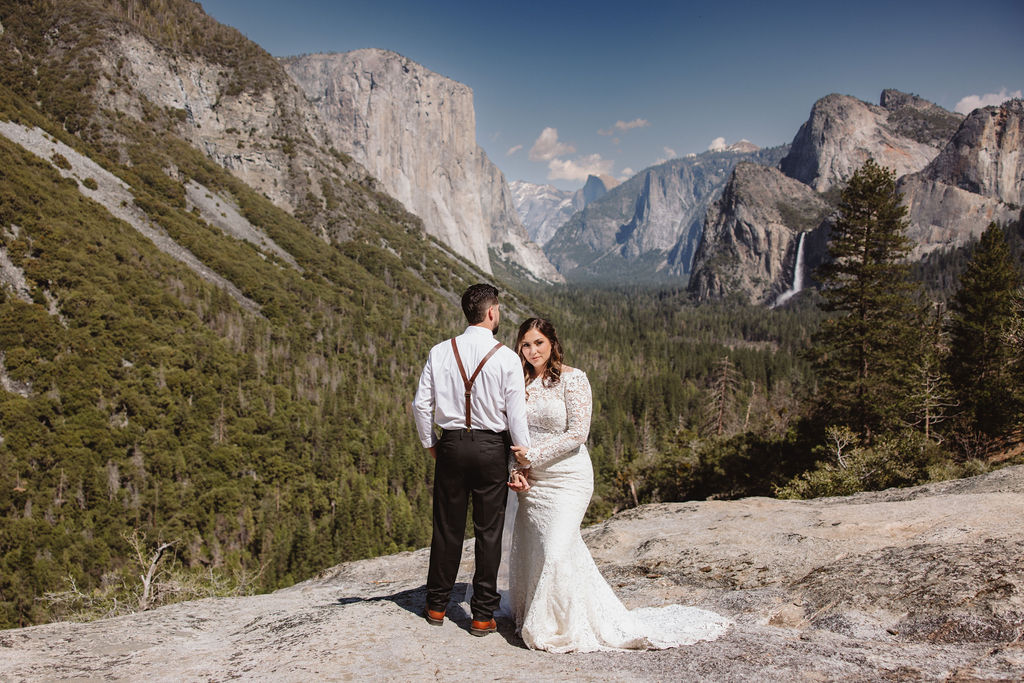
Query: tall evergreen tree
(864, 350)
(982, 354)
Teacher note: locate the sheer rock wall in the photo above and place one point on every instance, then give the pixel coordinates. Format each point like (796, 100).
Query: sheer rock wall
(415, 131)
(751, 234)
(650, 225)
(978, 178)
(843, 131)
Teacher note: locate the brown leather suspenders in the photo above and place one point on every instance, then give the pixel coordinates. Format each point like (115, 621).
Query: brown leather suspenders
(469, 381)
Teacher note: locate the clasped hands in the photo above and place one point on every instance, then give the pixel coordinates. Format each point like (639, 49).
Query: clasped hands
(518, 479)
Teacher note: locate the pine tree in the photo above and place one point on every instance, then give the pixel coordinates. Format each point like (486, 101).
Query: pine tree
(932, 399)
(982, 353)
(863, 351)
(721, 395)
(1015, 340)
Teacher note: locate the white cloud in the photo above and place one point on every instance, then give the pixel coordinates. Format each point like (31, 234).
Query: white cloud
(635, 123)
(623, 126)
(512, 150)
(667, 153)
(717, 145)
(972, 102)
(547, 146)
(580, 168)
(626, 174)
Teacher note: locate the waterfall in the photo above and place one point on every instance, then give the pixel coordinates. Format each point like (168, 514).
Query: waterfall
(798, 271)
(798, 274)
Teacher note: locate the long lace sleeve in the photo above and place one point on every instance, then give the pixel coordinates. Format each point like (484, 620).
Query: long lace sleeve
(578, 409)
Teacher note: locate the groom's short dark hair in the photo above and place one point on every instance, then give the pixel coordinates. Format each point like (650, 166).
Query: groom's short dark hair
(476, 300)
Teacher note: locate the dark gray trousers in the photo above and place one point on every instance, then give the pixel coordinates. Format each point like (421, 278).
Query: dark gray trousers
(470, 465)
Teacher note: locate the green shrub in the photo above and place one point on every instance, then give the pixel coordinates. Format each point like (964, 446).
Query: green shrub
(849, 466)
(61, 161)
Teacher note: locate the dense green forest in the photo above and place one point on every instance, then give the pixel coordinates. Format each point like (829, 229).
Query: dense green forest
(144, 405)
(673, 381)
(144, 408)
(274, 443)
(726, 400)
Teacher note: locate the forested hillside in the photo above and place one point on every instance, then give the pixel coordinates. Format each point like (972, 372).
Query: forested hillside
(213, 381)
(730, 400)
(273, 442)
(265, 442)
(687, 398)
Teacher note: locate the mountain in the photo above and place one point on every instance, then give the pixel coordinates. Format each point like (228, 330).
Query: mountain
(415, 131)
(649, 226)
(752, 235)
(919, 583)
(595, 188)
(904, 133)
(957, 175)
(977, 178)
(743, 146)
(208, 315)
(544, 208)
(218, 92)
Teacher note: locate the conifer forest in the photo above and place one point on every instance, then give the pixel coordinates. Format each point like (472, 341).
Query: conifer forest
(244, 441)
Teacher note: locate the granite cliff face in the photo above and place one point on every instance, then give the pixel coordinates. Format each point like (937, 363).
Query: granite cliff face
(265, 134)
(978, 178)
(903, 134)
(544, 208)
(650, 225)
(923, 583)
(415, 131)
(986, 156)
(751, 236)
(956, 175)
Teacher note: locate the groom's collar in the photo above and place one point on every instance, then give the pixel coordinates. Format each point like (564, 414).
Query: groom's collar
(476, 329)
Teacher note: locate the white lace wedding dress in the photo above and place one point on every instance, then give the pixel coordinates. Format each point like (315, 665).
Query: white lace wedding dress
(559, 599)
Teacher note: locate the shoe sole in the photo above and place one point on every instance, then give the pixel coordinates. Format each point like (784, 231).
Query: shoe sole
(480, 633)
(435, 622)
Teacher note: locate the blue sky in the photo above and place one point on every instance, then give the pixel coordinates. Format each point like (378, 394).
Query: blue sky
(556, 77)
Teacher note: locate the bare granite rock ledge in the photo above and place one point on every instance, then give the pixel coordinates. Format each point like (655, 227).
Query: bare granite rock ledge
(907, 584)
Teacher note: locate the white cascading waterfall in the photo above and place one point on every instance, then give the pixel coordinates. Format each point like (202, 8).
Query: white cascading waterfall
(798, 274)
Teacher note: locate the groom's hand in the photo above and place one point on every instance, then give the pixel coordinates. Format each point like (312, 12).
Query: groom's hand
(433, 452)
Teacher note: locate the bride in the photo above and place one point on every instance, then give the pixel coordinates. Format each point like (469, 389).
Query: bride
(559, 599)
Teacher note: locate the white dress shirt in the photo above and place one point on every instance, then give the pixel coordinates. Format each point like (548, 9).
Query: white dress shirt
(499, 393)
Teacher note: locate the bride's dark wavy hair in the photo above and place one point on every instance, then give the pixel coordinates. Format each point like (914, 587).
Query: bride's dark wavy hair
(553, 370)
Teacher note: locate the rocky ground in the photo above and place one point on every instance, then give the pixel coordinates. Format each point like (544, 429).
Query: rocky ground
(907, 584)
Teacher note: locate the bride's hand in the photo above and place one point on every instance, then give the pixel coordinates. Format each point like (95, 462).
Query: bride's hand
(520, 453)
(517, 480)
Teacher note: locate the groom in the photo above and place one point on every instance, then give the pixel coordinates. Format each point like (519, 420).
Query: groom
(473, 388)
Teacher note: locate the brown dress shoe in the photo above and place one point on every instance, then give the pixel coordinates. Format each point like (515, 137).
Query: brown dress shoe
(435, 618)
(482, 628)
